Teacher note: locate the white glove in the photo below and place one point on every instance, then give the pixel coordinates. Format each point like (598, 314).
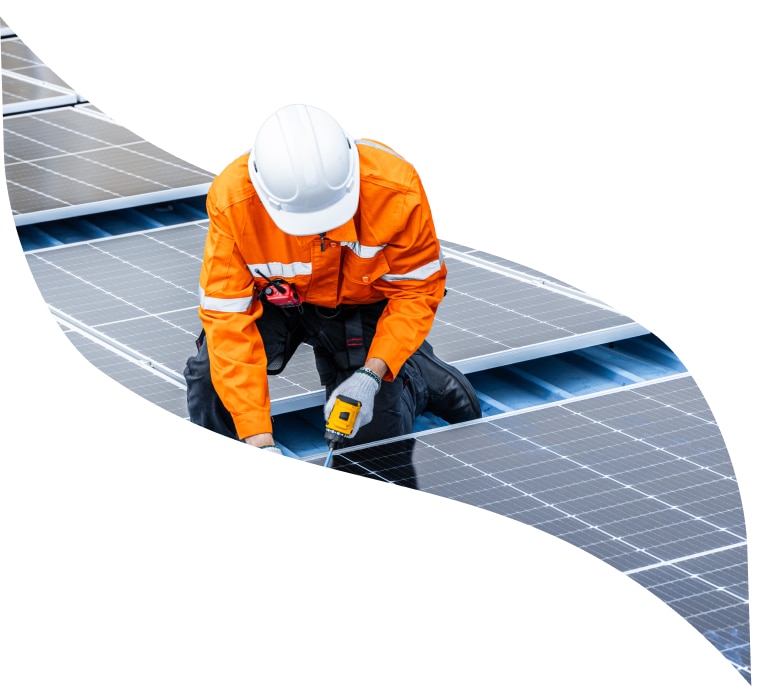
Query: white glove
(362, 386)
(271, 449)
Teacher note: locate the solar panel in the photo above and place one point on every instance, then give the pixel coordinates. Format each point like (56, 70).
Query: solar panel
(22, 94)
(135, 374)
(19, 60)
(521, 270)
(495, 314)
(139, 292)
(639, 477)
(72, 161)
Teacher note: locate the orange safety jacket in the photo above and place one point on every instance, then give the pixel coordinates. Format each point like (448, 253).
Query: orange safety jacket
(388, 251)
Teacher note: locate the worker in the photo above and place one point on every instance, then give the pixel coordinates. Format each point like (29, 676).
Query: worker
(317, 238)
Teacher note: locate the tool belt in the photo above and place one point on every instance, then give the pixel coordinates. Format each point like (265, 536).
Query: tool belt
(340, 336)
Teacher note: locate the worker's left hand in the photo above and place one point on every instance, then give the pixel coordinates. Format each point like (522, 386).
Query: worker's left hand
(362, 386)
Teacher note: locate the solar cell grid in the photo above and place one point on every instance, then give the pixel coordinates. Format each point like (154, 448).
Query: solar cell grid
(484, 256)
(72, 161)
(20, 148)
(139, 292)
(23, 94)
(94, 176)
(20, 60)
(138, 378)
(150, 336)
(633, 496)
(68, 131)
(520, 312)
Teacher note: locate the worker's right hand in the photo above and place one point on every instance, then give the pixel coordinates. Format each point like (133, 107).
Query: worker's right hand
(362, 386)
(263, 441)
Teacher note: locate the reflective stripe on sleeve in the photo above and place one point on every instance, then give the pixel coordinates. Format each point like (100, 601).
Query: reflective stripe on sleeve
(286, 270)
(362, 251)
(419, 273)
(377, 146)
(239, 305)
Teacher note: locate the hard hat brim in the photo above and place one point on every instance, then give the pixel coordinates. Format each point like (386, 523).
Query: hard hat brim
(316, 222)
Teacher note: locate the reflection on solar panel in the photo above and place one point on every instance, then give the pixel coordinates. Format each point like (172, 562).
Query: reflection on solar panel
(639, 477)
(139, 291)
(72, 161)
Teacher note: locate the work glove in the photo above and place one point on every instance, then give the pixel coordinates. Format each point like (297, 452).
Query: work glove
(362, 386)
(271, 449)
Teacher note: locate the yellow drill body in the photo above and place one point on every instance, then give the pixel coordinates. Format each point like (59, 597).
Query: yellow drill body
(340, 424)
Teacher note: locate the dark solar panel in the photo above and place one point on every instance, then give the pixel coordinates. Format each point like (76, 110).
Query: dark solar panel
(639, 478)
(73, 161)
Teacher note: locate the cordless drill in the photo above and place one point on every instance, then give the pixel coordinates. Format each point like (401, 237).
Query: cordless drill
(340, 424)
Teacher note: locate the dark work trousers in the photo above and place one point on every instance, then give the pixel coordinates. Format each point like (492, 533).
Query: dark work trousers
(340, 339)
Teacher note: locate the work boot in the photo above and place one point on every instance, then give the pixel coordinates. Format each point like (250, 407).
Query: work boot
(450, 395)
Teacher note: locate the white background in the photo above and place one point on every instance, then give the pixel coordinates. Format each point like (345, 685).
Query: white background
(617, 146)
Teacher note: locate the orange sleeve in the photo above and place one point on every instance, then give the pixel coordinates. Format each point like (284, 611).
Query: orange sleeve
(414, 283)
(228, 311)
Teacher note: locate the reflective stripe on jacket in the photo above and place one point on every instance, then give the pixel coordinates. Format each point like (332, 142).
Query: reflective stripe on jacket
(388, 251)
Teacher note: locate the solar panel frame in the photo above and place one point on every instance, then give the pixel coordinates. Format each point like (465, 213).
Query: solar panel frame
(21, 94)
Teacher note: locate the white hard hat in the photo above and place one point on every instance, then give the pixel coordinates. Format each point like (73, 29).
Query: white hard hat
(305, 169)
